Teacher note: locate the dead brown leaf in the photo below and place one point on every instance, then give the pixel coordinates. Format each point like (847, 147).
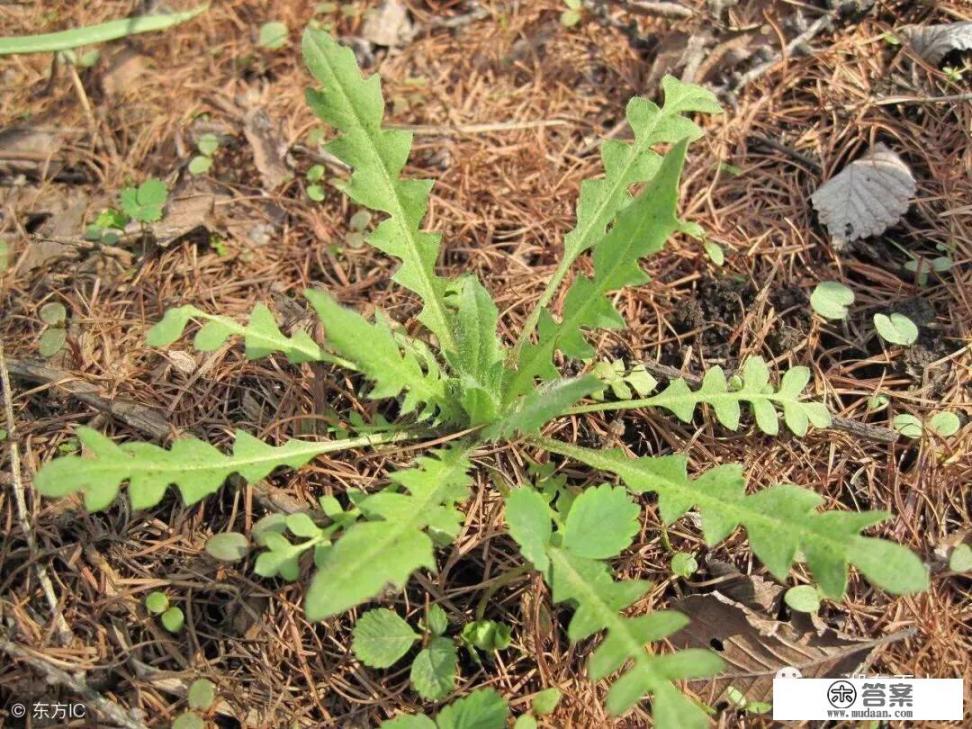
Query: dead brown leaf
(755, 646)
(268, 148)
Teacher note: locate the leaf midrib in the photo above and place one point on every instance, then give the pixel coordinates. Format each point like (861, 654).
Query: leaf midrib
(431, 300)
(612, 621)
(698, 497)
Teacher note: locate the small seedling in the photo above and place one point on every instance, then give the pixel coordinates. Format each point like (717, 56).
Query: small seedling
(145, 202)
(381, 638)
(739, 700)
(273, 35)
(896, 329)
(481, 709)
(228, 546)
(107, 227)
(156, 602)
(207, 145)
(684, 564)
(315, 189)
(960, 560)
(830, 299)
(572, 15)
(715, 253)
(173, 619)
(942, 424)
(922, 267)
(202, 694)
(878, 402)
(486, 635)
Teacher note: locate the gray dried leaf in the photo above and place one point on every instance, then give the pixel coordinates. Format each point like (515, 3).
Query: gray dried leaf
(388, 25)
(933, 42)
(867, 196)
(269, 148)
(755, 646)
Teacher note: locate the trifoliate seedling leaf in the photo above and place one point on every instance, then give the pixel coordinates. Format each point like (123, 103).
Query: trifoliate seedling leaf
(544, 702)
(202, 694)
(684, 564)
(934, 42)
(436, 620)
(482, 709)
(381, 638)
(830, 299)
(944, 424)
(200, 164)
(145, 202)
(188, 720)
(487, 635)
(433, 673)
(228, 546)
(173, 619)
(803, 598)
(866, 197)
(601, 523)
(315, 193)
(876, 403)
(51, 341)
(273, 35)
(960, 560)
(896, 329)
(53, 313)
(907, 425)
(156, 602)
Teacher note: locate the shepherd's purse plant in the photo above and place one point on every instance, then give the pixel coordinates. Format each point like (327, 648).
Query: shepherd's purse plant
(459, 384)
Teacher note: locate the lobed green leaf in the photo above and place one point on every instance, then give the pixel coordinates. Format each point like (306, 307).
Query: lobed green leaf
(392, 543)
(782, 521)
(354, 106)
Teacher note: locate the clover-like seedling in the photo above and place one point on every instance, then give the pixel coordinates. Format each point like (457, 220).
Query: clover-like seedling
(684, 564)
(207, 145)
(145, 202)
(896, 329)
(381, 638)
(830, 299)
(315, 187)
